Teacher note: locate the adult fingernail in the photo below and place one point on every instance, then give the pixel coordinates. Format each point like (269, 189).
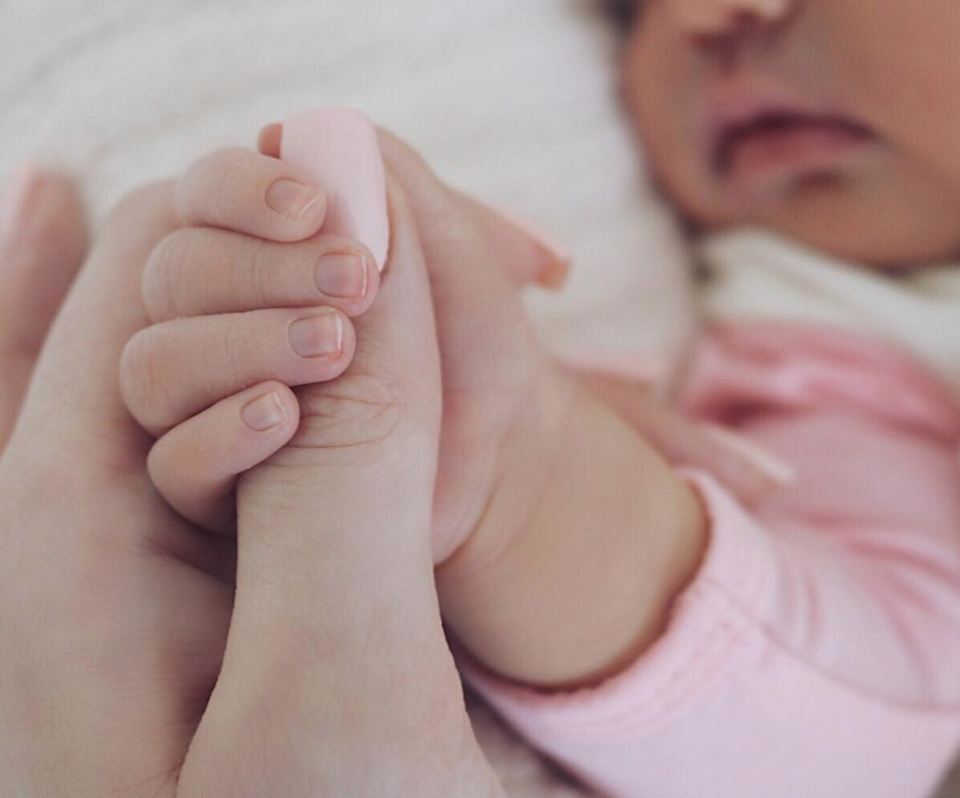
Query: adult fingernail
(338, 148)
(292, 199)
(317, 336)
(343, 275)
(766, 463)
(264, 413)
(22, 191)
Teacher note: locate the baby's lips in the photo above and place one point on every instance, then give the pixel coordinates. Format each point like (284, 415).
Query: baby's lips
(338, 149)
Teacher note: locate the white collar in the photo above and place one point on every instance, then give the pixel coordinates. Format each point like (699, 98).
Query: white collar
(756, 275)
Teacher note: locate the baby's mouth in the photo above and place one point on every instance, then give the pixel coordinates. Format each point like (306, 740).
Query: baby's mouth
(782, 141)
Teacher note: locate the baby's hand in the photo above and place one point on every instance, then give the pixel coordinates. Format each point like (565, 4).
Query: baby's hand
(247, 300)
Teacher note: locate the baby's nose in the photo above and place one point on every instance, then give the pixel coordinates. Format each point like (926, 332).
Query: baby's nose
(713, 19)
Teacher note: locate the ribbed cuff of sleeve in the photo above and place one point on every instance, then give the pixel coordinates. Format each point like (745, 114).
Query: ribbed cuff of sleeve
(714, 623)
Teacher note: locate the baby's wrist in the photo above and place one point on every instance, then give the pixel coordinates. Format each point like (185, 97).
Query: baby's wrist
(608, 534)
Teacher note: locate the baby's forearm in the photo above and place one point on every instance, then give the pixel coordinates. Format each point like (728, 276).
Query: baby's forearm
(612, 535)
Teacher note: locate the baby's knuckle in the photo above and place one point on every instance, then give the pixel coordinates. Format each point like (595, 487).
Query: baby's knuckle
(164, 271)
(141, 383)
(265, 267)
(213, 181)
(217, 165)
(231, 344)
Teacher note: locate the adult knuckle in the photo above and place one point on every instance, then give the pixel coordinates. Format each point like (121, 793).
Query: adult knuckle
(354, 410)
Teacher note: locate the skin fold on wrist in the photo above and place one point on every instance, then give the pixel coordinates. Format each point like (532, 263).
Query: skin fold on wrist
(608, 536)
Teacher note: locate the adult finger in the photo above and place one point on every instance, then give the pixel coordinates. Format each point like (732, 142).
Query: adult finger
(43, 240)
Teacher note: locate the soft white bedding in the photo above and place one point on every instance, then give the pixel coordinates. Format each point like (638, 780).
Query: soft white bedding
(513, 102)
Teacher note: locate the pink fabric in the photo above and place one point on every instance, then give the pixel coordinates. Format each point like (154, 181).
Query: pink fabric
(817, 652)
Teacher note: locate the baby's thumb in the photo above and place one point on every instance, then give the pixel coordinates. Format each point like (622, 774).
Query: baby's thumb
(450, 221)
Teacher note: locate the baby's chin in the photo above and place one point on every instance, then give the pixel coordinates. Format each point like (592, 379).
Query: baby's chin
(874, 221)
(883, 248)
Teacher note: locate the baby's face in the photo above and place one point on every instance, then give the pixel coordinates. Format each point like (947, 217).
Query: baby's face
(834, 122)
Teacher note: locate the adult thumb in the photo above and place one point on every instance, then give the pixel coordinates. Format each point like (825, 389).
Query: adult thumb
(334, 557)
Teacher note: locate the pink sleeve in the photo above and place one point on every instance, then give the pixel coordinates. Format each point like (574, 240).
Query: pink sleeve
(739, 699)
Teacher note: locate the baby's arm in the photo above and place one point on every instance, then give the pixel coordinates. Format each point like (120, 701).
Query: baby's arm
(600, 535)
(807, 660)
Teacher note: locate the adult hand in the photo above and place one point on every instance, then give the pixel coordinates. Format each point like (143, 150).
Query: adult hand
(113, 610)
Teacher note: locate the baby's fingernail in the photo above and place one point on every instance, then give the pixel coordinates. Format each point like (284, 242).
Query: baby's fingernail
(555, 274)
(292, 199)
(766, 463)
(343, 275)
(264, 413)
(317, 336)
(20, 198)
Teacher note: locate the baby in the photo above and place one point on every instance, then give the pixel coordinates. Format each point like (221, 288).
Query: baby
(632, 616)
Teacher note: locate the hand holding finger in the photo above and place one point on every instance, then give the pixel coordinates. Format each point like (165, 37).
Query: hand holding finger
(195, 466)
(172, 371)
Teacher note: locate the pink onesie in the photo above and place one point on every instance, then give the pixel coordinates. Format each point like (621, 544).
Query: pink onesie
(817, 652)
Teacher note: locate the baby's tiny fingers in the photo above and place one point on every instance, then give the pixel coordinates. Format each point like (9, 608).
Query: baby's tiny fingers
(172, 371)
(239, 189)
(196, 464)
(202, 271)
